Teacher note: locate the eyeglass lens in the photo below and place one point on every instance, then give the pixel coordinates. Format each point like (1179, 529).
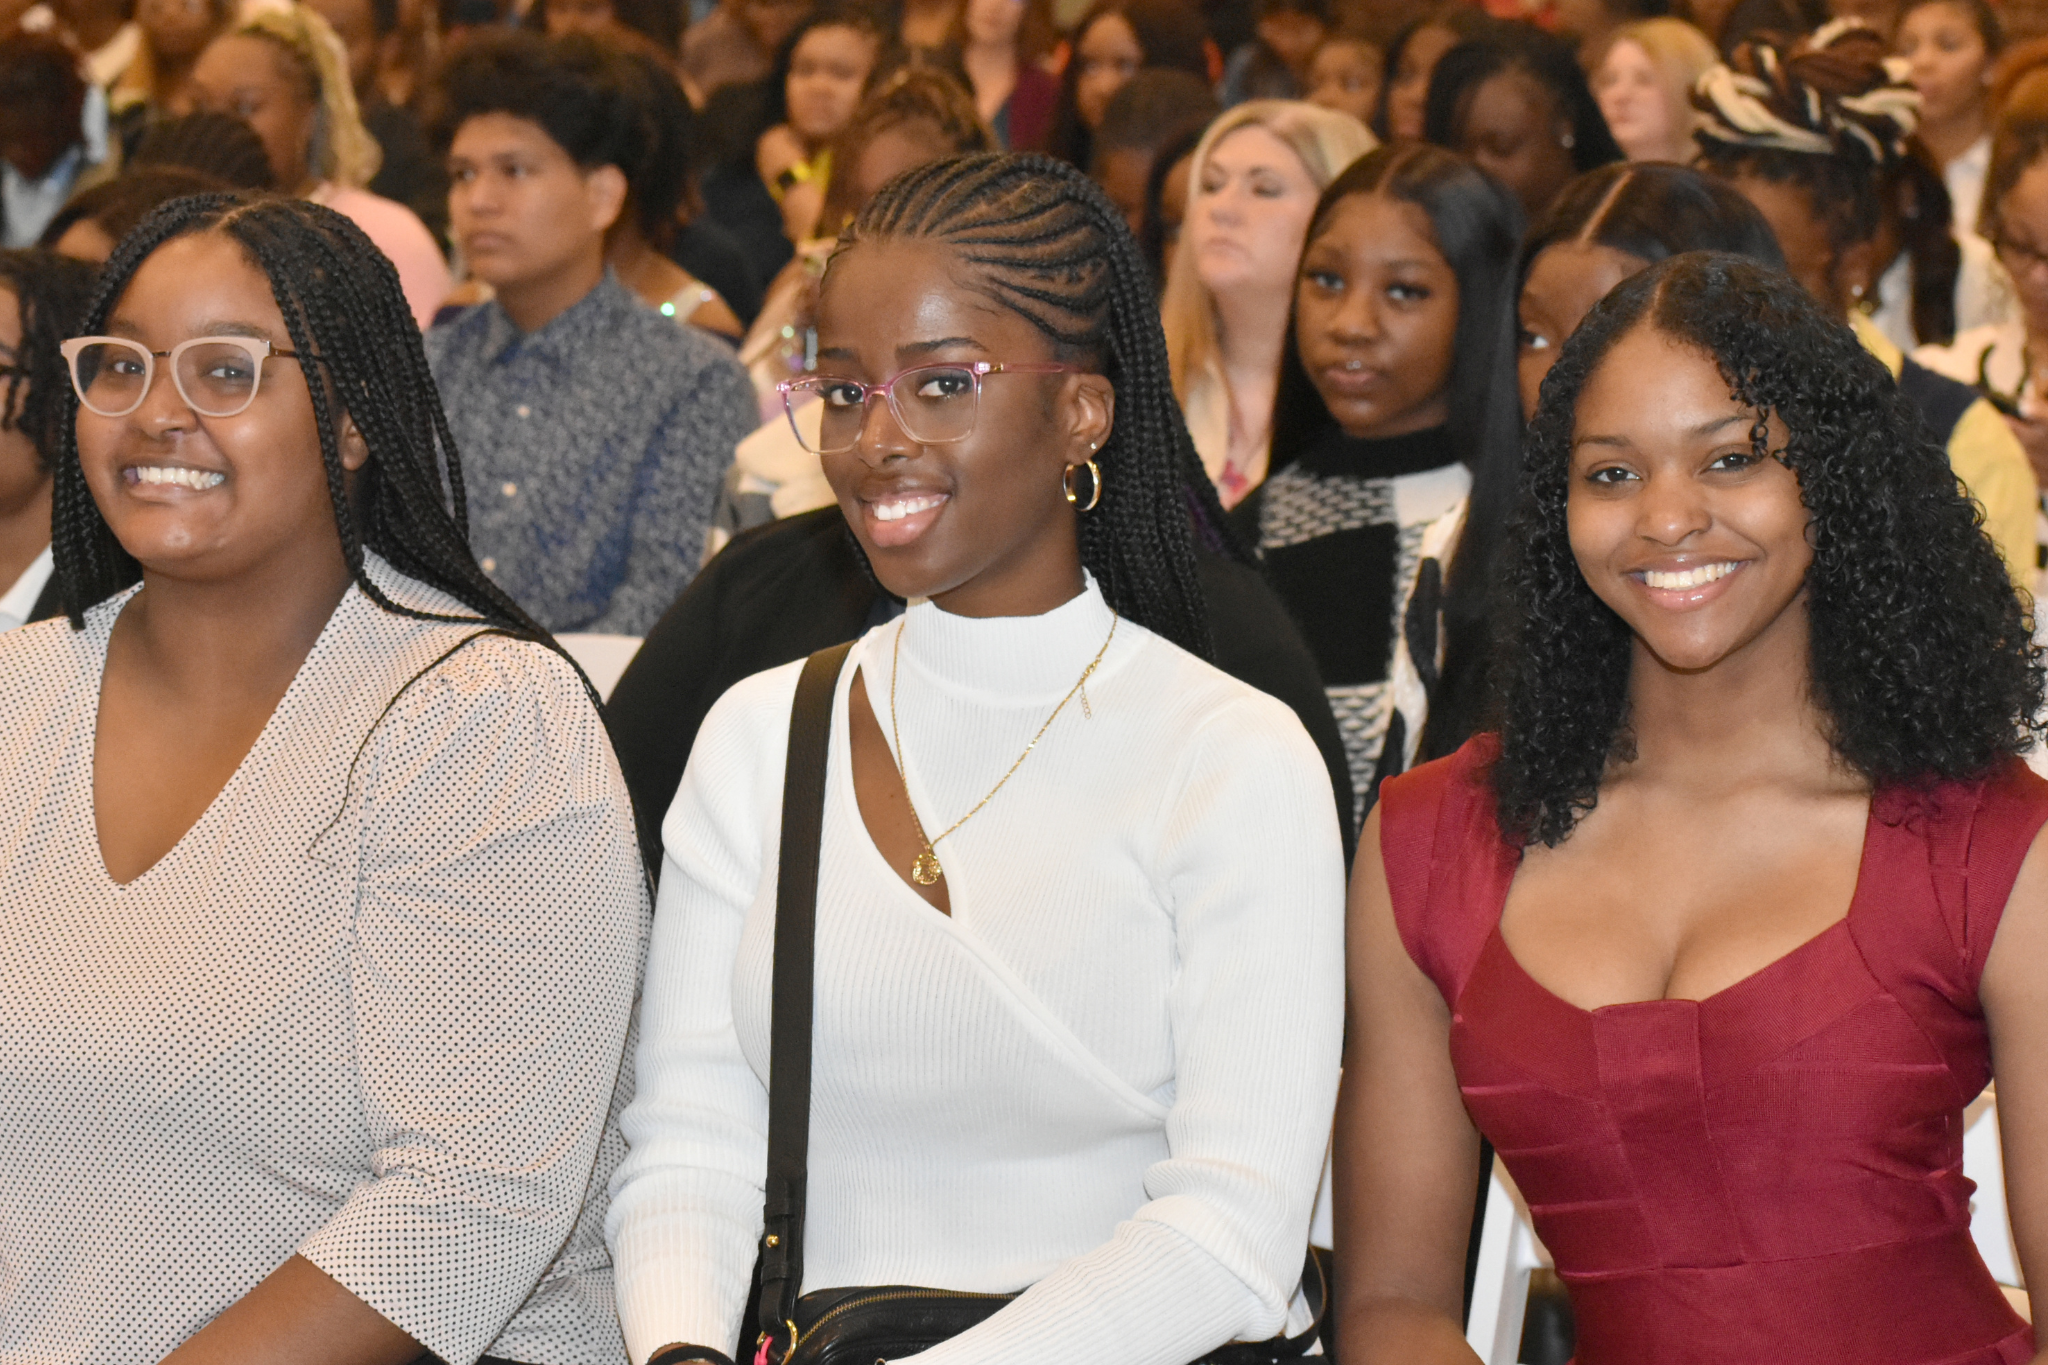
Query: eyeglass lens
(218, 378)
(935, 405)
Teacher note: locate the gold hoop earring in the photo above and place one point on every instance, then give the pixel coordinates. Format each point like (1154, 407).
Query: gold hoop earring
(1094, 485)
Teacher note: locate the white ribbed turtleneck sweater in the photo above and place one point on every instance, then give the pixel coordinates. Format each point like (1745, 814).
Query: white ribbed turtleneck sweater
(1108, 1075)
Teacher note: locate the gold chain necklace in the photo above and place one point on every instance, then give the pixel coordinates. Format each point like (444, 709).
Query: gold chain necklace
(925, 869)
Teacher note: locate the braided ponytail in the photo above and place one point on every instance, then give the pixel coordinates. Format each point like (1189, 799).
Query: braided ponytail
(1049, 246)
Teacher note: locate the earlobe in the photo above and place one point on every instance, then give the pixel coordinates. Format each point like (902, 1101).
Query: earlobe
(606, 187)
(355, 451)
(1094, 414)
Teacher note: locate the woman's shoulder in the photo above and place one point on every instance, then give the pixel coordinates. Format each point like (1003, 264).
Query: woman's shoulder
(1414, 805)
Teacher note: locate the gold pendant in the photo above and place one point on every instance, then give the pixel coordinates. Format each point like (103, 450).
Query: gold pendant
(926, 870)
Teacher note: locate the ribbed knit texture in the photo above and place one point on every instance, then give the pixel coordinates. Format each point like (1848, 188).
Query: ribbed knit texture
(1108, 1075)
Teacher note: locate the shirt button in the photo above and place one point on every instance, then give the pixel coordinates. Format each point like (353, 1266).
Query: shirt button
(489, 565)
(523, 410)
(509, 489)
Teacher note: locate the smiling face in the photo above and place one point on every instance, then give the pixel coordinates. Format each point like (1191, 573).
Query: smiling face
(826, 72)
(1676, 524)
(1565, 281)
(1515, 131)
(1108, 55)
(1250, 209)
(212, 498)
(1946, 61)
(253, 79)
(1638, 110)
(1376, 318)
(978, 524)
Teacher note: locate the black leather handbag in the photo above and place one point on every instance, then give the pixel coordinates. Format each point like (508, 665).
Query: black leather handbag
(862, 1325)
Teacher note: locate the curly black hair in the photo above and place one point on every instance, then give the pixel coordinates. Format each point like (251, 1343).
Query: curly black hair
(1922, 661)
(50, 294)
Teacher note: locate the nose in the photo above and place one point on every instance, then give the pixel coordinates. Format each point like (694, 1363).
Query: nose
(1672, 509)
(164, 409)
(1357, 320)
(882, 436)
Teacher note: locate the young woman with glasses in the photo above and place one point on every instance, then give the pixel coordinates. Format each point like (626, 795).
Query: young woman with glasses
(1079, 894)
(319, 907)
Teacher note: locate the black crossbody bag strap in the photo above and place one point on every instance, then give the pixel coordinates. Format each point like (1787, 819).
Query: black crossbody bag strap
(789, 1047)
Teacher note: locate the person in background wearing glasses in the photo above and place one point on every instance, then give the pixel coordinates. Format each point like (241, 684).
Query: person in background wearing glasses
(320, 914)
(2007, 362)
(41, 293)
(596, 431)
(1080, 893)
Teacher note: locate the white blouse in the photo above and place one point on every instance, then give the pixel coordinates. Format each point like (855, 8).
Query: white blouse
(374, 1022)
(1108, 1076)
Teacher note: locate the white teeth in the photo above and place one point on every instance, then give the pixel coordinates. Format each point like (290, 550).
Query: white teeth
(196, 479)
(1690, 578)
(903, 507)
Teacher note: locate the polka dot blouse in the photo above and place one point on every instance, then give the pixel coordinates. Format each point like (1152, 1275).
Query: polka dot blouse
(375, 1022)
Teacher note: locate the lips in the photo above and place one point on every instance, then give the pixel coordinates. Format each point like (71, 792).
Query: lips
(1360, 382)
(168, 478)
(898, 517)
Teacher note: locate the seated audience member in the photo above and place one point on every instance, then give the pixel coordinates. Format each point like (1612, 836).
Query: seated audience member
(771, 160)
(286, 73)
(1592, 24)
(1002, 44)
(409, 172)
(640, 246)
(736, 44)
(45, 153)
(1274, 65)
(1644, 81)
(1114, 41)
(1166, 201)
(1108, 1082)
(1517, 103)
(338, 1082)
(1999, 359)
(1154, 107)
(157, 82)
(219, 146)
(1826, 208)
(655, 21)
(1951, 47)
(1411, 59)
(42, 297)
(102, 32)
(1344, 73)
(1749, 889)
(595, 430)
(1252, 191)
(1395, 383)
(94, 222)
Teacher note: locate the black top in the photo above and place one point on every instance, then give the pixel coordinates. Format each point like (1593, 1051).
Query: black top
(781, 591)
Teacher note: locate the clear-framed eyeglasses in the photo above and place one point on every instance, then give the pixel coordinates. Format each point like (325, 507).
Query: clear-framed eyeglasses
(934, 404)
(216, 376)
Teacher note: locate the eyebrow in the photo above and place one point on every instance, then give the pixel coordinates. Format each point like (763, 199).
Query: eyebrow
(1707, 428)
(126, 327)
(942, 344)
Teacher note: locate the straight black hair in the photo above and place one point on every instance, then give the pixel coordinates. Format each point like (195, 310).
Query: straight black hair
(1552, 62)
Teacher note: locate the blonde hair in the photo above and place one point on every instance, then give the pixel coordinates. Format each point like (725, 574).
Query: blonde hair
(342, 151)
(1325, 140)
(1681, 53)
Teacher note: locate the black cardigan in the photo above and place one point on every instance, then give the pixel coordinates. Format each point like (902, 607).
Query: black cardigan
(781, 591)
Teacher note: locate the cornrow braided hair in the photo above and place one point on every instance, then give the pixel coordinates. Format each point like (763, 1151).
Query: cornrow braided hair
(341, 302)
(1048, 245)
(50, 294)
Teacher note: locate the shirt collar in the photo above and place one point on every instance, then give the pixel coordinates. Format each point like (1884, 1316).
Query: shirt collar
(589, 320)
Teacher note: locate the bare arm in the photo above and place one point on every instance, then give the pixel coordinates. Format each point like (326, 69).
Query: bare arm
(2015, 995)
(1407, 1152)
(298, 1315)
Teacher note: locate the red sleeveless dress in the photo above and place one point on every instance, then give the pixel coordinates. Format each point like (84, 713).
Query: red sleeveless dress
(1773, 1173)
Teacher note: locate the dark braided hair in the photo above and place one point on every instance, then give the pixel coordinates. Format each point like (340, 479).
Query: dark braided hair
(50, 294)
(1921, 659)
(1048, 245)
(341, 302)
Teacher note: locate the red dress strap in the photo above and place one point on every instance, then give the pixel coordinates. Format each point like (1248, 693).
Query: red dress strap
(1447, 866)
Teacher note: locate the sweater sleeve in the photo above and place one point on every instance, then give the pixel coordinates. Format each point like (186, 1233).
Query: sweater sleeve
(686, 1202)
(491, 971)
(1251, 862)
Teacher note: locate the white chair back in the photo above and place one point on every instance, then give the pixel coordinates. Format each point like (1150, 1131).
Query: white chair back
(603, 657)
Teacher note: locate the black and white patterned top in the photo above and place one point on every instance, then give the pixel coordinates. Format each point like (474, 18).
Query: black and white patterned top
(1341, 527)
(594, 449)
(375, 1023)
